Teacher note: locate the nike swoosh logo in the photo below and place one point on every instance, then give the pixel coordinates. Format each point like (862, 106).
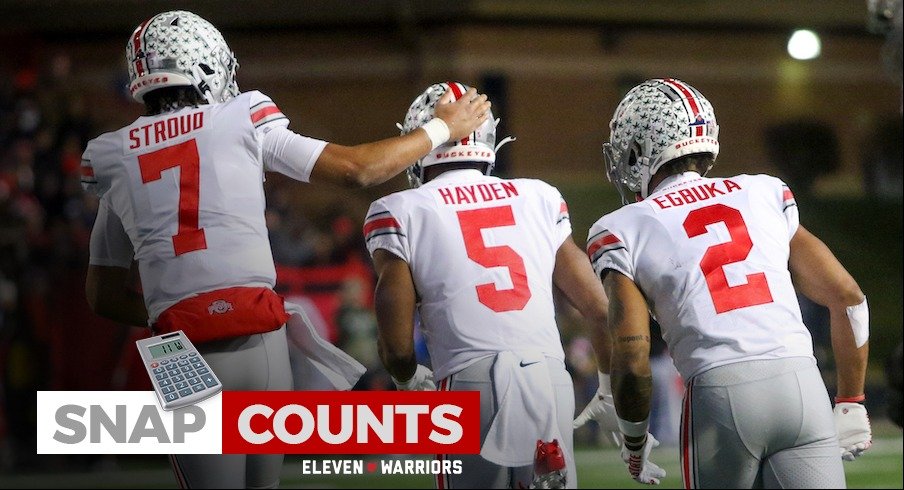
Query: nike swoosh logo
(525, 364)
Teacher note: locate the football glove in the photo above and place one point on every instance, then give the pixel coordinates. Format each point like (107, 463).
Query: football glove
(421, 381)
(602, 409)
(854, 433)
(639, 465)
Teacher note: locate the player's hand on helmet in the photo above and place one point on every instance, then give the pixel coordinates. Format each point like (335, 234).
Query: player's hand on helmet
(854, 433)
(637, 457)
(421, 381)
(464, 115)
(602, 409)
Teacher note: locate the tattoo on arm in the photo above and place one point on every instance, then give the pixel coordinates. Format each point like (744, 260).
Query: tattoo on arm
(634, 338)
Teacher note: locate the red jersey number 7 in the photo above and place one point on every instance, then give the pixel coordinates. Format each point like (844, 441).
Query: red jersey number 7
(184, 155)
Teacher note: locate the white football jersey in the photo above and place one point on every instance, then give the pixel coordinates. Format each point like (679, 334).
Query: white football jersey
(711, 257)
(182, 193)
(481, 252)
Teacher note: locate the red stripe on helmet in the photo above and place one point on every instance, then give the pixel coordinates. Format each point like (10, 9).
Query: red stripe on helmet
(458, 91)
(691, 102)
(136, 46)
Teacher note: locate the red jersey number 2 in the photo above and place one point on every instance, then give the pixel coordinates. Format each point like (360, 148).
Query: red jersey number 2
(472, 223)
(725, 297)
(185, 156)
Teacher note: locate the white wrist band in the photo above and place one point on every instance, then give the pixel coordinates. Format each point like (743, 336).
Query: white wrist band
(438, 132)
(633, 429)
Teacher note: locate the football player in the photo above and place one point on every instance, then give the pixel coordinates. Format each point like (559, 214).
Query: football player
(478, 258)
(181, 192)
(716, 261)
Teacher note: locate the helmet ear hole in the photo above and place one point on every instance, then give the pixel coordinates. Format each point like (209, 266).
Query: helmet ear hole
(633, 155)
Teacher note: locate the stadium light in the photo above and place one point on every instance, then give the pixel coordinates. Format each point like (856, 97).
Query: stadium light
(804, 45)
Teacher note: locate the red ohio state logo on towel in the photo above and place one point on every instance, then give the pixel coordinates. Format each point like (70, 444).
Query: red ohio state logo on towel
(353, 422)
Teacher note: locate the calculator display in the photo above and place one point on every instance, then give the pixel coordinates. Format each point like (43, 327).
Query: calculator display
(166, 348)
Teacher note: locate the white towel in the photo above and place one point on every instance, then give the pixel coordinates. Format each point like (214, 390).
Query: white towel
(322, 365)
(526, 409)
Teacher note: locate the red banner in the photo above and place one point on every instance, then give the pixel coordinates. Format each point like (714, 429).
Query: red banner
(351, 422)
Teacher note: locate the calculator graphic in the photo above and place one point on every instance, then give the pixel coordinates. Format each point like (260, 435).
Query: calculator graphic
(178, 372)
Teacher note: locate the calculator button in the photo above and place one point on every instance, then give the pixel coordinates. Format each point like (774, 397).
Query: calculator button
(198, 388)
(203, 371)
(192, 353)
(164, 382)
(181, 385)
(177, 378)
(197, 365)
(160, 376)
(185, 392)
(168, 389)
(171, 397)
(183, 356)
(173, 359)
(154, 364)
(186, 369)
(159, 370)
(184, 363)
(164, 362)
(208, 380)
(172, 367)
(193, 381)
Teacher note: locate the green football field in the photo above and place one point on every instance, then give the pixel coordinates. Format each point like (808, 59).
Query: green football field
(881, 467)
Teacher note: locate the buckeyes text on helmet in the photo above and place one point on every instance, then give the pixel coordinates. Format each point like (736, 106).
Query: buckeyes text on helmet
(479, 147)
(179, 48)
(656, 122)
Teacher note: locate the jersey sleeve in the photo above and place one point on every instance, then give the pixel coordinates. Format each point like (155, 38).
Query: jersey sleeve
(562, 218)
(264, 113)
(382, 229)
(282, 150)
(608, 251)
(290, 154)
(789, 209)
(110, 245)
(92, 176)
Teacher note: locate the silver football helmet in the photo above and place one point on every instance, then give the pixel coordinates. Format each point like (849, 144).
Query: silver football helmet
(480, 146)
(656, 122)
(179, 48)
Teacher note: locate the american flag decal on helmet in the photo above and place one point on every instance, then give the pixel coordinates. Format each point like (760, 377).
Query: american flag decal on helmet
(602, 242)
(381, 223)
(265, 112)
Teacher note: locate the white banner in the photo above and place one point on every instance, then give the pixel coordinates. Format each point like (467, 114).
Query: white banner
(126, 422)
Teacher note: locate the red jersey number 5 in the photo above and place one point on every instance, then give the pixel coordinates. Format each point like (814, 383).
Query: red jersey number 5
(725, 297)
(499, 300)
(184, 155)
